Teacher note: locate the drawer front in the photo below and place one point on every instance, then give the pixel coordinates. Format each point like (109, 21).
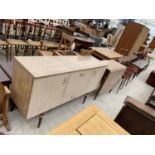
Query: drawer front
(95, 78)
(46, 94)
(76, 85)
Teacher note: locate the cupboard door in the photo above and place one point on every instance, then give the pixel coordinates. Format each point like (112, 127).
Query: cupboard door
(76, 85)
(46, 94)
(95, 78)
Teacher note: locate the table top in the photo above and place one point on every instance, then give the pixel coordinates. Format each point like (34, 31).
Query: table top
(90, 121)
(84, 39)
(106, 52)
(3, 77)
(7, 67)
(52, 65)
(115, 66)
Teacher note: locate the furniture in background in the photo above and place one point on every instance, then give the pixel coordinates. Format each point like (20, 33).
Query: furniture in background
(40, 84)
(7, 67)
(151, 79)
(112, 75)
(4, 79)
(4, 104)
(132, 38)
(105, 53)
(151, 100)
(90, 121)
(136, 117)
(152, 43)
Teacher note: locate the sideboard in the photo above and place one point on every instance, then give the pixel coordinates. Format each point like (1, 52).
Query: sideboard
(43, 83)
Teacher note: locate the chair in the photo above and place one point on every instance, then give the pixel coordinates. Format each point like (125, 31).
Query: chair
(3, 38)
(67, 40)
(136, 117)
(14, 38)
(4, 103)
(151, 79)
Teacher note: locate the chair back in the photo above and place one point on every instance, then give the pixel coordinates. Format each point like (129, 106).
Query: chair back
(67, 40)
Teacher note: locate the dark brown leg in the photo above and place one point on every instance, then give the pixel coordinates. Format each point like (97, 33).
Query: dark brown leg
(40, 120)
(85, 97)
(10, 52)
(120, 85)
(7, 53)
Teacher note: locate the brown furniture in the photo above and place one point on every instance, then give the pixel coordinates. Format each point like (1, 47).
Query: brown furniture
(105, 53)
(50, 81)
(151, 79)
(112, 75)
(152, 44)
(132, 38)
(151, 100)
(136, 117)
(90, 121)
(4, 103)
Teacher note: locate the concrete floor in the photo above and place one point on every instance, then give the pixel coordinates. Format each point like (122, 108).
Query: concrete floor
(110, 103)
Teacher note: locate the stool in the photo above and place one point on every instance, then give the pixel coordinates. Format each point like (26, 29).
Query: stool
(151, 79)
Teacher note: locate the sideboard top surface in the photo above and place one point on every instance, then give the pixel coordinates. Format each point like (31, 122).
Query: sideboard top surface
(115, 66)
(44, 66)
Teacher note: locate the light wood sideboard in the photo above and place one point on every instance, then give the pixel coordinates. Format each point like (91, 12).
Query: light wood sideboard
(90, 121)
(42, 83)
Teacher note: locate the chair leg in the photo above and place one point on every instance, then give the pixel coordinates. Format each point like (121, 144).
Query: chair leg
(10, 52)
(120, 85)
(40, 120)
(7, 53)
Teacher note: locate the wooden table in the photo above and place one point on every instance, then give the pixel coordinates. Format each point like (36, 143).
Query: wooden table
(105, 53)
(83, 42)
(7, 67)
(90, 121)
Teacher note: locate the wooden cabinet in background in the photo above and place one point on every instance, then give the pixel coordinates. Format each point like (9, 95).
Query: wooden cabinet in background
(152, 44)
(132, 38)
(42, 83)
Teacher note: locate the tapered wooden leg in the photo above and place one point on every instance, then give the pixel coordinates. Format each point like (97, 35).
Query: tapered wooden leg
(120, 85)
(40, 120)
(6, 124)
(85, 97)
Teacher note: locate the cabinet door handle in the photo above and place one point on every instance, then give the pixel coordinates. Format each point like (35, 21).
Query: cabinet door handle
(64, 81)
(82, 74)
(94, 73)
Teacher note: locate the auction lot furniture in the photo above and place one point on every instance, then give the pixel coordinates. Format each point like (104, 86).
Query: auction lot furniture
(105, 53)
(4, 79)
(151, 79)
(90, 121)
(132, 38)
(111, 76)
(42, 83)
(136, 117)
(4, 103)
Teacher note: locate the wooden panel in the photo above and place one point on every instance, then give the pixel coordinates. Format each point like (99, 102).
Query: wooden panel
(21, 87)
(132, 38)
(152, 44)
(95, 78)
(111, 81)
(73, 123)
(89, 121)
(46, 94)
(96, 126)
(76, 85)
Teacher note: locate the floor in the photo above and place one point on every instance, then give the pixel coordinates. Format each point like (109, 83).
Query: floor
(110, 103)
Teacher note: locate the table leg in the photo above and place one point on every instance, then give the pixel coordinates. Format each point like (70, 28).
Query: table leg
(40, 120)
